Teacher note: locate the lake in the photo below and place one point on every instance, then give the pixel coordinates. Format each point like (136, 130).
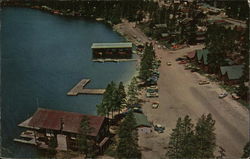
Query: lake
(42, 57)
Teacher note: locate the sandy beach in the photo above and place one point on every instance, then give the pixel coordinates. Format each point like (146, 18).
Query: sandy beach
(180, 95)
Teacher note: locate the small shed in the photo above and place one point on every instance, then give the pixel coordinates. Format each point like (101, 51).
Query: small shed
(142, 123)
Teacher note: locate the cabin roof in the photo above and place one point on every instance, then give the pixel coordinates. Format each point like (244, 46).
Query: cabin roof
(233, 72)
(52, 119)
(141, 120)
(111, 45)
(191, 54)
(203, 53)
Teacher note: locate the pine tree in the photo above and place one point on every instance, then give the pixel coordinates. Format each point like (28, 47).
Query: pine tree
(181, 144)
(84, 144)
(174, 145)
(133, 92)
(189, 142)
(205, 137)
(121, 97)
(246, 151)
(128, 145)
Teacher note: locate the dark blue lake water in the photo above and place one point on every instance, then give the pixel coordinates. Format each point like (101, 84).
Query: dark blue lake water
(43, 56)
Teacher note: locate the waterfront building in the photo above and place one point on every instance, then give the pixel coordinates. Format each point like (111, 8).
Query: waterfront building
(46, 124)
(112, 50)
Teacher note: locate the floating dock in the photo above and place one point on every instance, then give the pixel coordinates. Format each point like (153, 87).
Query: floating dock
(79, 89)
(113, 60)
(31, 141)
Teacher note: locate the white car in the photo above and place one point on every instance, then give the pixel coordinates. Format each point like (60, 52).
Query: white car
(222, 95)
(155, 105)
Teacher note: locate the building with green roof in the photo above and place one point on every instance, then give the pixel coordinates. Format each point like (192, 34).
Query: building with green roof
(112, 50)
(202, 56)
(141, 120)
(142, 123)
(231, 74)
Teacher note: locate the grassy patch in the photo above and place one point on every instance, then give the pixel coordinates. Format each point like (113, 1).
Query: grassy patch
(230, 89)
(111, 150)
(244, 103)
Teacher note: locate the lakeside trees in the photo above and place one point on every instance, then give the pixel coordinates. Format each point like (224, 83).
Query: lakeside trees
(128, 142)
(113, 99)
(147, 62)
(133, 92)
(85, 145)
(187, 141)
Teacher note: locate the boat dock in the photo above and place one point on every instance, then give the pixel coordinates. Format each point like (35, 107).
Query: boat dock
(79, 89)
(31, 141)
(113, 60)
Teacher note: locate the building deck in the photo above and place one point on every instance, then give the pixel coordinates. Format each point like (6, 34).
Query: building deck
(31, 142)
(79, 89)
(25, 124)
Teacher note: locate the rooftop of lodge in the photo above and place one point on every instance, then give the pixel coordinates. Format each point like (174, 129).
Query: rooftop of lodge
(51, 119)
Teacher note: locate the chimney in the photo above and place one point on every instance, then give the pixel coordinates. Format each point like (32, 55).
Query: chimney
(62, 124)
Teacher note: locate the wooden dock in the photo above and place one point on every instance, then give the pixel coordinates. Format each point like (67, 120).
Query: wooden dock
(79, 89)
(31, 141)
(113, 60)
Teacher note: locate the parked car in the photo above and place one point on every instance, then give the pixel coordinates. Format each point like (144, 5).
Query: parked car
(152, 89)
(182, 62)
(203, 82)
(152, 95)
(235, 96)
(180, 58)
(169, 63)
(155, 105)
(222, 95)
(194, 69)
(137, 110)
(159, 128)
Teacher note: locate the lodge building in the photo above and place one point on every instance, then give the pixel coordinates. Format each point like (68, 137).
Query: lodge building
(112, 50)
(45, 124)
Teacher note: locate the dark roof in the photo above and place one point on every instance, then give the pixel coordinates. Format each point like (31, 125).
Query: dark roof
(51, 119)
(160, 25)
(191, 54)
(233, 72)
(164, 35)
(141, 120)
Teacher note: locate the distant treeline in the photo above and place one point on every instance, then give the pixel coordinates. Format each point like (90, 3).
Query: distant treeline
(109, 10)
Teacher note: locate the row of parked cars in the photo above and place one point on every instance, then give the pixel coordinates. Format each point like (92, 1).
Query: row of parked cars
(152, 92)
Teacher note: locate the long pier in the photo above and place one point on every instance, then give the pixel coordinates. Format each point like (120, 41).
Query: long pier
(79, 89)
(113, 60)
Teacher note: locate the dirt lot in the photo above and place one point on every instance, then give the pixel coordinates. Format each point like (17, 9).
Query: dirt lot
(180, 95)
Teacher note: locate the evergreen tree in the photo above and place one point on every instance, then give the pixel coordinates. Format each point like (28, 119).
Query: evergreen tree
(84, 144)
(128, 143)
(174, 145)
(246, 151)
(181, 144)
(205, 137)
(189, 142)
(133, 92)
(52, 146)
(121, 96)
